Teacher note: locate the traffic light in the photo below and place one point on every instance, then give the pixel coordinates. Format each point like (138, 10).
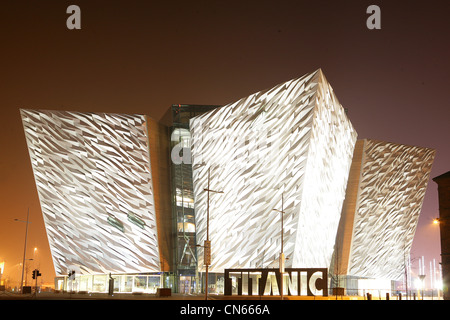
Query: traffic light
(36, 273)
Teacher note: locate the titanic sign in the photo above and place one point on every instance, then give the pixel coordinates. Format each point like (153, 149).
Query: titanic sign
(296, 282)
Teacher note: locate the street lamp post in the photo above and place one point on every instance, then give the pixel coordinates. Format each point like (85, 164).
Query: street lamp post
(25, 247)
(207, 244)
(440, 222)
(282, 258)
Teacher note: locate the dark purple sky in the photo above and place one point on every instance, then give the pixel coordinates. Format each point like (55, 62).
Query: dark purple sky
(143, 56)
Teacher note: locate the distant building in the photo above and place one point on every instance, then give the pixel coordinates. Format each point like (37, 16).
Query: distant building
(443, 182)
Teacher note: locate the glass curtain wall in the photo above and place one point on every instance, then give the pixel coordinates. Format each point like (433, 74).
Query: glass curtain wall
(183, 196)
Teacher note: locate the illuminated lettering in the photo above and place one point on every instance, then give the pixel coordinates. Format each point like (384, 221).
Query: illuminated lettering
(271, 286)
(253, 284)
(303, 283)
(308, 281)
(293, 284)
(312, 282)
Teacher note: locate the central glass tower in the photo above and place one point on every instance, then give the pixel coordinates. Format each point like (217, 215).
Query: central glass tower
(182, 193)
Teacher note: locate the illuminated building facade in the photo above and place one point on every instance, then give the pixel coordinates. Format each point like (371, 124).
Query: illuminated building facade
(385, 191)
(123, 196)
(293, 141)
(103, 196)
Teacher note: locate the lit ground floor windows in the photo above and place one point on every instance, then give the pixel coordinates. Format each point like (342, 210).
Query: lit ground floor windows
(128, 283)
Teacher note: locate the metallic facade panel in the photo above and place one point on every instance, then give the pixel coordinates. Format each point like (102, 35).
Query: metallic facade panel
(93, 177)
(388, 198)
(292, 141)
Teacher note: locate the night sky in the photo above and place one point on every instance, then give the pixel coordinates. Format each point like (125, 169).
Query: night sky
(144, 56)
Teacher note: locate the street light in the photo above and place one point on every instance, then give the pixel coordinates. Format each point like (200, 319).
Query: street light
(207, 243)
(282, 258)
(25, 247)
(441, 222)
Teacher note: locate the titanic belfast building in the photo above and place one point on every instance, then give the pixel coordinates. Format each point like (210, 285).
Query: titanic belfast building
(278, 180)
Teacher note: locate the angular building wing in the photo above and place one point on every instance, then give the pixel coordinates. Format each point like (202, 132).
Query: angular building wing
(289, 149)
(386, 187)
(94, 180)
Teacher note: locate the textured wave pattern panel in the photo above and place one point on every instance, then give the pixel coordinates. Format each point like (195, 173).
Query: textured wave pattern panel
(257, 150)
(92, 173)
(392, 186)
(330, 156)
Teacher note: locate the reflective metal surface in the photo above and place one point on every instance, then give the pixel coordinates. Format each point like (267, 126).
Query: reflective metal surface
(93, 177)
(293, 140)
